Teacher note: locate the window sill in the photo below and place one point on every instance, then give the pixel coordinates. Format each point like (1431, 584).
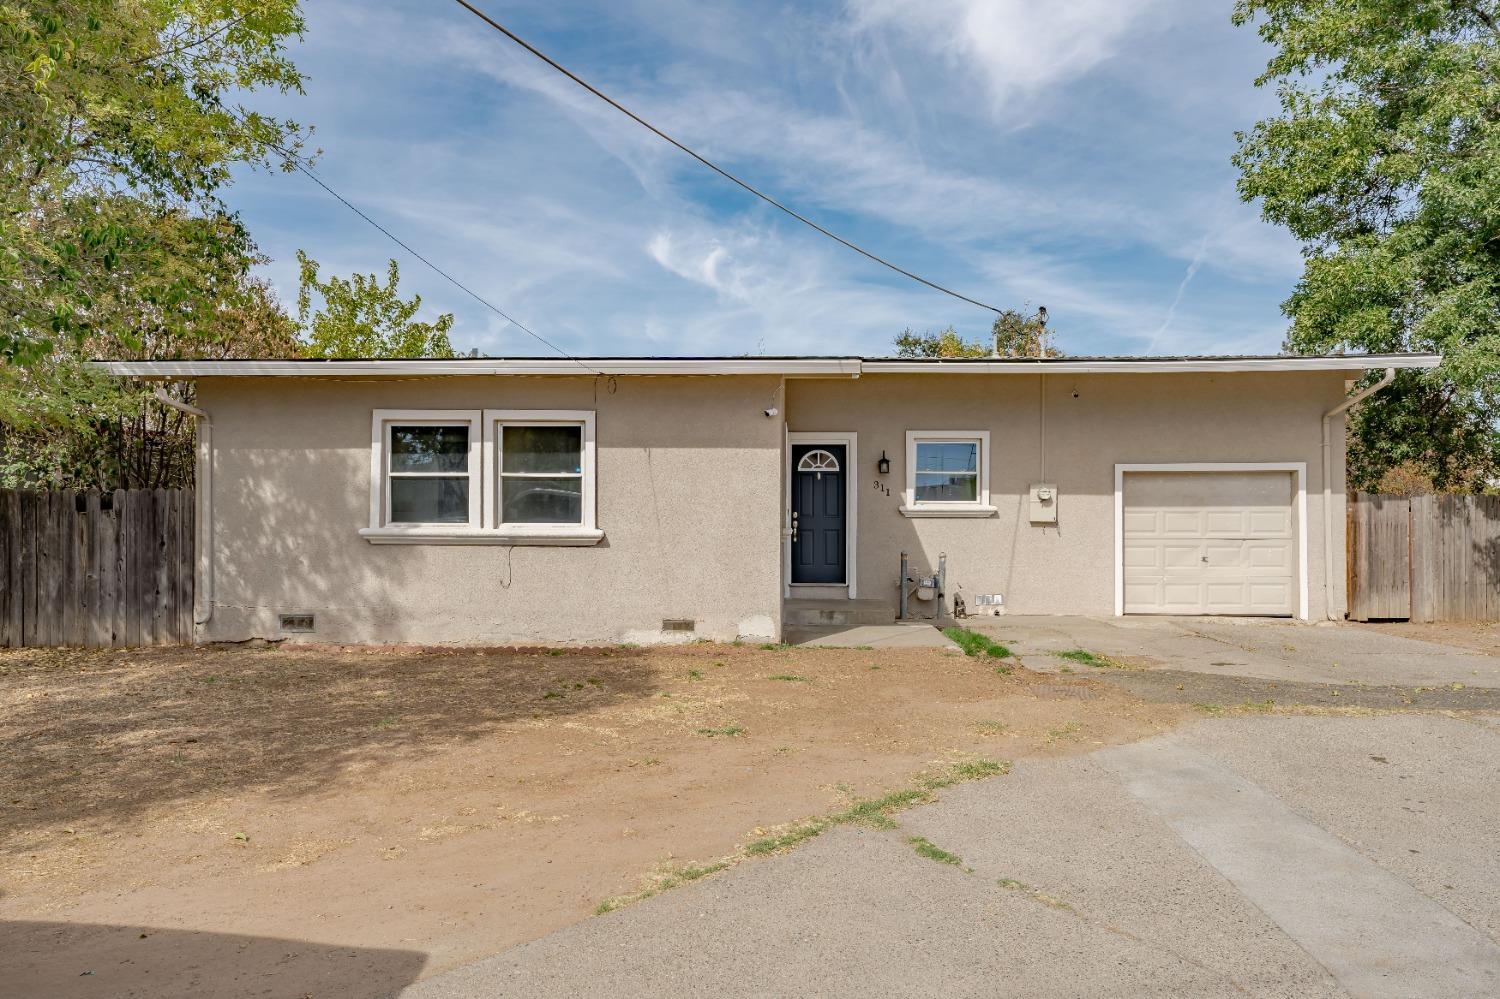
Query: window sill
(952, 510)
(541, 535)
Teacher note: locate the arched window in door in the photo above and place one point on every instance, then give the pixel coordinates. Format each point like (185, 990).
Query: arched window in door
(819, 461)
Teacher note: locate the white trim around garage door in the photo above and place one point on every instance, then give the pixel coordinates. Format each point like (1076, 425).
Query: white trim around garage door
(1298, 468)
(850, 440)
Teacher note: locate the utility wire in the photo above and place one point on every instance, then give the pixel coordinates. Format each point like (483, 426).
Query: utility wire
(705, 161)
(302, 165)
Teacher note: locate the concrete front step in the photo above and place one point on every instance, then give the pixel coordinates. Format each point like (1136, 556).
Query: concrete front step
(804, 613)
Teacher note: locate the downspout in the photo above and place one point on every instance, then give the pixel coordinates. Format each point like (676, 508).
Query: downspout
(1386, 379)
(206, 490)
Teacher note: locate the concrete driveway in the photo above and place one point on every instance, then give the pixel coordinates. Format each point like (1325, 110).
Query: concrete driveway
(1248, 647)
(1262, 856)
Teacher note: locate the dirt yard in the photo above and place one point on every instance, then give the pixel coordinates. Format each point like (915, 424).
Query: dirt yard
(321, 823)
(1475, 636)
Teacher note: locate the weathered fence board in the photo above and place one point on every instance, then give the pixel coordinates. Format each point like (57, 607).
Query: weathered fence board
(96, 570)
(1427, 558)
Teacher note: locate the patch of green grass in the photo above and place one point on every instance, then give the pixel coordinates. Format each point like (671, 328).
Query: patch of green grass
(551, 695)
(980, 769)
(992, 727)
(663, 882)
(728, 731)
(789, 678)
(557, 652)
(774, 647)
(864, 648)
(781, 841)
(1065, 730)
(1002, 670)
(1212, 709)
(975, 644)
(873, 666)
(1094, 659)
(694, 675)
(926, 848)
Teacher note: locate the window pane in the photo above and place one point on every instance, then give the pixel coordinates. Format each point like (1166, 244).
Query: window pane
(932, 457)
(939, 487)
(541, 501)
(430, 449)
(543, 449)
(429, 501)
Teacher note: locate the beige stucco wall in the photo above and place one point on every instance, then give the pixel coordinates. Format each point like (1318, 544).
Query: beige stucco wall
(689, 499)
(1069, 568)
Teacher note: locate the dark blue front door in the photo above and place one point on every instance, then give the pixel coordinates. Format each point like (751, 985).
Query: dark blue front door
(818, 539)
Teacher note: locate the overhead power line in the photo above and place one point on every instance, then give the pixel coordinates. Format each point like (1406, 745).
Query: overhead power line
(707, 162)
(302, 165)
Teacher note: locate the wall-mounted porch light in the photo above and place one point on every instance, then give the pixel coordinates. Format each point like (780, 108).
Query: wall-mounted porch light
(884, 464)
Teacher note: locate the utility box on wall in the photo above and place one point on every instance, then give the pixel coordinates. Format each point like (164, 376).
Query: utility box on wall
(1043, 503)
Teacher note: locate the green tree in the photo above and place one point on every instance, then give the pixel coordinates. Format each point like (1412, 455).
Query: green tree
(944, 343)
(1018, 335)
(1013, 334)
(361, 317)
(1385, 162)
(119, 123)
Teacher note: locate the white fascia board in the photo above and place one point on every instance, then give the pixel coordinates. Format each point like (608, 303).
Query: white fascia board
(814, 367)
(820, 366)
(1205, 365)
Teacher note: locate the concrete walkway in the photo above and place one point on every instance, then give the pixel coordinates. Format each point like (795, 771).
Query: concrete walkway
(907, 635)
(1261, 856)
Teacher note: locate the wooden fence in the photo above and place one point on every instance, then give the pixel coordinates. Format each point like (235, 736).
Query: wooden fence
(1424, 558)
(99, 570)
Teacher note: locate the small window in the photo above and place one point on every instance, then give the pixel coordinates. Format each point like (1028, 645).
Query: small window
(948, 471)
(541, 474)
(429, 474)
(541, 471)
(425, 469)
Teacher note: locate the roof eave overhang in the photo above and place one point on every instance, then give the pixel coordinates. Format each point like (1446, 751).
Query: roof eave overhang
(818, 367)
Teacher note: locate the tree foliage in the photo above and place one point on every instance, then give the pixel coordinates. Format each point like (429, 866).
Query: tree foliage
(118, 125)
(360, 317)
(1385, 162)
(1013, 334)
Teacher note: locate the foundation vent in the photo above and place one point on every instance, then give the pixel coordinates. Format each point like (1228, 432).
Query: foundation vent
(678, 624)
(296, 622)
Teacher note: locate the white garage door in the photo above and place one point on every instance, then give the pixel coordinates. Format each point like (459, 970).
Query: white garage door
(1210, 543)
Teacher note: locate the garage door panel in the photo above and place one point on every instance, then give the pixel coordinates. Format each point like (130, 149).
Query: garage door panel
(1209, 543)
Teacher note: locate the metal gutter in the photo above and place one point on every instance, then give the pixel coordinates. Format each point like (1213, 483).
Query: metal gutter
(1137, 366)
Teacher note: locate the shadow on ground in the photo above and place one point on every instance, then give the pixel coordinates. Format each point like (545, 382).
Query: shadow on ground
(100, 737)
(66, 960)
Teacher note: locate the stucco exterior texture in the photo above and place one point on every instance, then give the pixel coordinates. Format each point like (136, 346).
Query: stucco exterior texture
(691, 497)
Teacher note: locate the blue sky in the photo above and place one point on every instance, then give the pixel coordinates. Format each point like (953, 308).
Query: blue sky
(1074, 155)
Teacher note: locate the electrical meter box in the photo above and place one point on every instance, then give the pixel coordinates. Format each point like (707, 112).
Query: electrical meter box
(1043, 504)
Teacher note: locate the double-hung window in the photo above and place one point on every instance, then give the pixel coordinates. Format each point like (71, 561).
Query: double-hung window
(947, 474)
(425, 470)
(541, 469)
(482, 477)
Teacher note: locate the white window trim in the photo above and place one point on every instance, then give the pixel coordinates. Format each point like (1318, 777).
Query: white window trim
(583, 533)
(380, 512)
(483, 527)
(978, 508)
(1297, 468)
(850, 440)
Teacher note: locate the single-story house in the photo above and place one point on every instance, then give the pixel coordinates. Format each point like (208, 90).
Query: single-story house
(501, 501)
